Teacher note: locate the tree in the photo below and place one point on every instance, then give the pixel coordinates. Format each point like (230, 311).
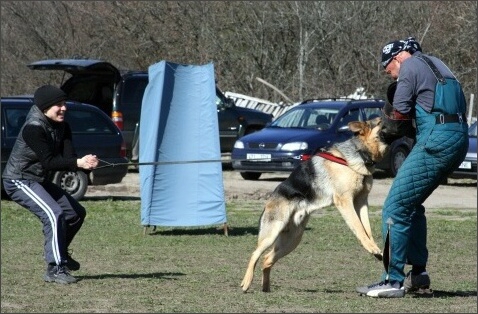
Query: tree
(307, 49)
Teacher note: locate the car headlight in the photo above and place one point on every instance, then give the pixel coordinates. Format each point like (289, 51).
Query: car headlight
(239, 145)
(295, 146)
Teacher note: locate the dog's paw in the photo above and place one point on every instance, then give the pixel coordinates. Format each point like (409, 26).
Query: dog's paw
(378, 256)
(244, 286)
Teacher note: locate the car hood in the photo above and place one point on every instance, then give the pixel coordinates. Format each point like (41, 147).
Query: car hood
(282, 135)
(79, 67)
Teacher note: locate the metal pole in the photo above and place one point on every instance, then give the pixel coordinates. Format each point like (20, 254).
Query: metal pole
(470, 108)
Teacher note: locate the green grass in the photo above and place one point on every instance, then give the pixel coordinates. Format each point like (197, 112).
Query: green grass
(200, 270)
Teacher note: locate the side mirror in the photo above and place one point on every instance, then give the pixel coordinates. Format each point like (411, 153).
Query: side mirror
(229, 102)
(344, 128)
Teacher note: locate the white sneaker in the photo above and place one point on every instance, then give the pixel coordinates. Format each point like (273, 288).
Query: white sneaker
(383, 289)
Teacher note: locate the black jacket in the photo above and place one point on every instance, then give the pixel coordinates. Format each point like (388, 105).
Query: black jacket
(41, 146)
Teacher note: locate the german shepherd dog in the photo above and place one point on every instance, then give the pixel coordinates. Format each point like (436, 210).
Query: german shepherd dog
(341, 175)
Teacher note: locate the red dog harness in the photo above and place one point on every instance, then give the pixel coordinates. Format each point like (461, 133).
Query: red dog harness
(331, 157)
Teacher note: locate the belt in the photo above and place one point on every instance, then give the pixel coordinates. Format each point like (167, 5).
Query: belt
(450, 118)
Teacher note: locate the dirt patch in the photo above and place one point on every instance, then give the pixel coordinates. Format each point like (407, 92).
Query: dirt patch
(457, 193)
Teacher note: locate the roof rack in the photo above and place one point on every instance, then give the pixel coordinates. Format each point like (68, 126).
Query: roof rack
(321, 99)
(338, 99)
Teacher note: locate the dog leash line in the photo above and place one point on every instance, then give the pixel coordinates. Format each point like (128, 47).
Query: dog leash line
(109, 164)
(155, 163)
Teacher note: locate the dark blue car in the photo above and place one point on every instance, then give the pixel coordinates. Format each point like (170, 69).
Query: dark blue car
(93, 132)
(305, 129)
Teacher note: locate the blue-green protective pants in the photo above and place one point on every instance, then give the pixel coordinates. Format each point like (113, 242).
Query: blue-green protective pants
(440, 148)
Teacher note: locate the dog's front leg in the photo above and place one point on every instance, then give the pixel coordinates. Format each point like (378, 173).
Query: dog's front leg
(346, 208)
(361, 208)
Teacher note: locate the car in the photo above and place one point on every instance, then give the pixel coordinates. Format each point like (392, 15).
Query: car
(303, 131)
(120, 94)
(93, 132)
(398, 151)
(467, 169)
(233, 121)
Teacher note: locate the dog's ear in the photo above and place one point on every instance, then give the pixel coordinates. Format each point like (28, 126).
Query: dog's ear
(357, 127)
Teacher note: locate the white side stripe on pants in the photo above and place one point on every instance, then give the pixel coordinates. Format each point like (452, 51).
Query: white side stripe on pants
(49, 213)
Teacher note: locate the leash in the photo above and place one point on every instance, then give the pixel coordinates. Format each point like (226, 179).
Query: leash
(322, 154)
(154, 163)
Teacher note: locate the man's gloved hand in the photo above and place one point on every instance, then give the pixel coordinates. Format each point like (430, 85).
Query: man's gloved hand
(391, 91)
(395, 124)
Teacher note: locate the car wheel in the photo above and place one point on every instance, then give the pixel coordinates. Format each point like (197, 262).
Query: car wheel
(75, 183)
(397, 157)
(250, 175)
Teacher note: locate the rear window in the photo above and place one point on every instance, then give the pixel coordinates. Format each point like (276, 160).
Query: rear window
(133, 91)
(89, 122)
(14, 120)
(83, 91)
(81, 121)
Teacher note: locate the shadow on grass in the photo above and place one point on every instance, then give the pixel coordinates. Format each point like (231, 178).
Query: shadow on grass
(131, 276)
(112, 198)
(232, 231)
(435, 294)
(445, 294)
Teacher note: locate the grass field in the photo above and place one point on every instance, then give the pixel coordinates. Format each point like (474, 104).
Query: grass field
(199, 269)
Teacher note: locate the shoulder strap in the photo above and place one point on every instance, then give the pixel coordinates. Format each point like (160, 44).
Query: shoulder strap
(434, 69)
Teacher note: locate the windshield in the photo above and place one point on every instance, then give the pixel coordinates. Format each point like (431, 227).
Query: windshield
(472, 130)
(306, 118)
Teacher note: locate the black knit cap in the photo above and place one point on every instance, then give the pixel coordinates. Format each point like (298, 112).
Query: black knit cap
(47, 96)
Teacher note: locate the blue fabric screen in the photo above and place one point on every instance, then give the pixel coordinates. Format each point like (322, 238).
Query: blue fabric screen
(179, 124)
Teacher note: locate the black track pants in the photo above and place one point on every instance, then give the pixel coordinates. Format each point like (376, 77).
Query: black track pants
(61, 215)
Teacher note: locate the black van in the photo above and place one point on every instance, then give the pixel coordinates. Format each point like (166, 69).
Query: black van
(120, 95)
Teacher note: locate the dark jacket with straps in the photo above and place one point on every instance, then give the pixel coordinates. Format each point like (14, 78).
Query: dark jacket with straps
(41, 146)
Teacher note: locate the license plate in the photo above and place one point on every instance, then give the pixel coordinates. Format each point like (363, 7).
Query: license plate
(259, 157)
(465, 165)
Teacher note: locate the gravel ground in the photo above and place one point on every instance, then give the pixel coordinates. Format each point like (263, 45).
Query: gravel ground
(457, 193)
